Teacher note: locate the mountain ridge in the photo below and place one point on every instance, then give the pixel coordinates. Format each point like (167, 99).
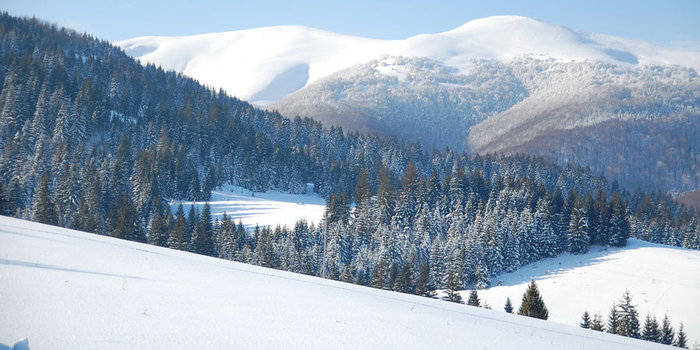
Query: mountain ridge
(245, 62)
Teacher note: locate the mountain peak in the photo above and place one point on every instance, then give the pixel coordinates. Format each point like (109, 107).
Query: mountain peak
(270, 63)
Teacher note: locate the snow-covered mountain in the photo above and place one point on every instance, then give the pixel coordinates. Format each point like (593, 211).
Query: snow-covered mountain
(505, 84)
(64, 289)
(266, 64)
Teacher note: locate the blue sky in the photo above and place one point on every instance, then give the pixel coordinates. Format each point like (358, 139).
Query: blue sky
(670, 22)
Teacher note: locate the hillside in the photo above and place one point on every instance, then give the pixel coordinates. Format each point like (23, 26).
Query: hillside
(67, 289)
(625, 108)
(661, 279)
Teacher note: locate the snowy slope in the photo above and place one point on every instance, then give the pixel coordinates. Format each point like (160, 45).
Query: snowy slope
(269, 208)
(266, 64)
(64, 289)
(661, 279)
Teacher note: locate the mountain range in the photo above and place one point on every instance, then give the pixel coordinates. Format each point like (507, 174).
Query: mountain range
(507, 84)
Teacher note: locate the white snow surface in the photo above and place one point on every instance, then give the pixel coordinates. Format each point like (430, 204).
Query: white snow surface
(269, 208)
(64, 289)
(265, 64)
(661, 280)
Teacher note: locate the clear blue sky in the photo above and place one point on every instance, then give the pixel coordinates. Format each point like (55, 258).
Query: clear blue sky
(669, 22)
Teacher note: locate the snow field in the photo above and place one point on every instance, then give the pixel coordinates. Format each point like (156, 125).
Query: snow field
(269, 208)
(661, 280)
(64, 289)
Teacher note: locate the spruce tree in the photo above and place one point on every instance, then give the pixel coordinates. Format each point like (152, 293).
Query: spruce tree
(202, 237)
(613, 324)
(597, 323)
(585, 320)
(176, 239)
(43, 207)
(423, 281)
(509, 306)
(629, 317)
(532, 304)
(667, 332)
(4, 203)
(404, 281)
(650, 329)
(681, 338)
(158, 229)
(577, 239)
(474, 299)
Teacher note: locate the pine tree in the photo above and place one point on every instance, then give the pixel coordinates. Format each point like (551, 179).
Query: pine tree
(681, 338)
(202, 236)
(176, 239)
(509, 306)
(158, 229)
(404, 281)
(597, 323)
(4, 203)
(423, 281)
(577, 239)
(629, 318)
(613, 324)
(125, 220)
(585, 320)
(650, 329)
(43, 207)
(532, 304)
(474, 299)
(619, 229)
(667, 332)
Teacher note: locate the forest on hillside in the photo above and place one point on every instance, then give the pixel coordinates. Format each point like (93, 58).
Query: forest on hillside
(92, 140)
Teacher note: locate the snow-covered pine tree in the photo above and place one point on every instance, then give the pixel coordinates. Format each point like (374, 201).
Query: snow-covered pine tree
(577, 240)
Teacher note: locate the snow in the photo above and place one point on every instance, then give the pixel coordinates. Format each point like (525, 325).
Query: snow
(661, 280)
(64, 289)
(266, 64)
(269, 208)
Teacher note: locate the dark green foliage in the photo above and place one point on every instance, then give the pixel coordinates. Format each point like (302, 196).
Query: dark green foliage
(44, 208)
(508, 306)
(619, 228)
(597, 323)
(613, 323)
(667, 332)
(585, 320)
(629, 317)
(423, 281)
(124, 219)
(404, 281)
(474, 299)
(202, 235)
(681, 338)
(176, 239)
(532, 304)
(650, 329)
